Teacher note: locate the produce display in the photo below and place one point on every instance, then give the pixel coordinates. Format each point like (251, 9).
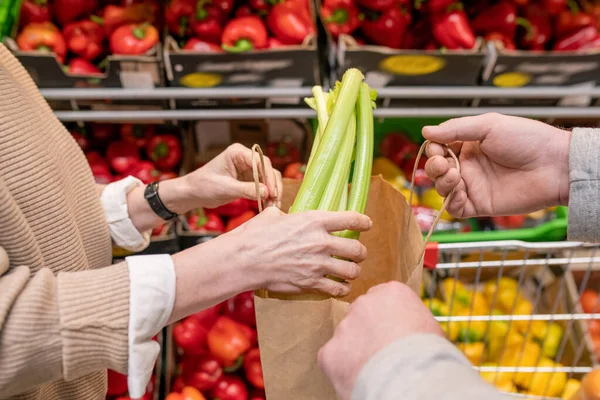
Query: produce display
(502, 343)
(217, 353)
(117, 386)
(81, 33)
(537, 25)
(143, 151)
(212, 222)
(226, 25)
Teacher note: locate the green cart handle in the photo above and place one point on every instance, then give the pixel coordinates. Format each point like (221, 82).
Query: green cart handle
(550, 231)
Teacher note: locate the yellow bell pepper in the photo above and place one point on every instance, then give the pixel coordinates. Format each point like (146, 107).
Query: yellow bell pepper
(571, 387)
(552, 339)
(432, 199)
(535, 329)
(457, 293)
(389, 172)
(507, 387)
(526, 355)
(497, 344)
(473, 351)
(437, 307)
(504, 291)
(451, 330)
(406, 193)
(550, 384)
(496, 378)
(471, 331)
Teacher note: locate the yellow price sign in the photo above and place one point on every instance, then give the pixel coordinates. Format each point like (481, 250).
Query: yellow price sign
(512, 79)
(412, 65)
(201, 80)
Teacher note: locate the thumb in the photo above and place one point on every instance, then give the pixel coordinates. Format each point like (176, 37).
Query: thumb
(460, 129)
(248, 190)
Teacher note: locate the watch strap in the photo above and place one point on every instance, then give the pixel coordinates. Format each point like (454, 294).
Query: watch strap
(156, 204)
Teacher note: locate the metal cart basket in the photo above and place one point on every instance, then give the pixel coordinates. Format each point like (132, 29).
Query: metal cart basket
(514, 310)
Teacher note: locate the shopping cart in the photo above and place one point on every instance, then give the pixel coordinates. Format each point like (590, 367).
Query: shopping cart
(514, 310)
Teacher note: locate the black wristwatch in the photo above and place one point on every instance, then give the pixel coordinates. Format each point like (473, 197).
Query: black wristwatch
(156, 204)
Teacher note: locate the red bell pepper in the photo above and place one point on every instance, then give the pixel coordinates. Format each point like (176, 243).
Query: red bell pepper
(227, 341)
(419, 35)
(43, 37)
(377, 5)
(257, 394)
(102, 177)
(145, 171)
(244, 11)
(536, 29)
(572, 20)
(200, 221)
(207, 23)
(139, 135)
(81, 140)
(190, 335)
(134, 39)
(501, 18)
(259, 5)
(178, 15)
(96, 161)
(122, 156)
(290, 22)
(202, 46)
(434, 6)
(251, 334)
(234, 222)
(452, 30)
(209, 316)
(253, 369)
(66, 11)
(388, 28)
(159, 230)
(202, 372)
(81, 66)
(224, 6)
(102, 132)
(341, 19)
(84, 38)
(113, 16)
(117, 383)
(507, 42)
(553, 7)
(165, 151)
(241, 308)
(282, 153)
(577, 40)
(177, 384)
(244, 34)
(234, 208)
(165, 176)
(398, 148)
(275, 43)
(230, 387)
(421, 178)
(295, 171)
(34, 11)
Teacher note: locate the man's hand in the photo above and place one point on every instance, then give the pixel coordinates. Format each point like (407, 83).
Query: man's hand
(509, 165)
(386, 313)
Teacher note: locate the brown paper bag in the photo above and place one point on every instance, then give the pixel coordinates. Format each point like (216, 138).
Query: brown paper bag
(292, 332)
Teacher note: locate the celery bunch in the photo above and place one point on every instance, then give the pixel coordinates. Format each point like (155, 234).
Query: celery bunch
(343, 143)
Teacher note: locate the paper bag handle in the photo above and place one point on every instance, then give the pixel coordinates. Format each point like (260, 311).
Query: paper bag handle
(446, 200)
(256, 176)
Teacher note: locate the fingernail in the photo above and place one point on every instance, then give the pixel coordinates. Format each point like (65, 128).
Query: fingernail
(263, 192)
(370, 223)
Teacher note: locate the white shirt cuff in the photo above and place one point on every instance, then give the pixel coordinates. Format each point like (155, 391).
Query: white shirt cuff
(122, 231)
(151, 300)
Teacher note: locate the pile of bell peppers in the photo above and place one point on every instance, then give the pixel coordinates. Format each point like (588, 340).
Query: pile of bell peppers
(81, 33)
(213, 222)
(226, 25)
(218, 353)
(530, 25)
(116, 151)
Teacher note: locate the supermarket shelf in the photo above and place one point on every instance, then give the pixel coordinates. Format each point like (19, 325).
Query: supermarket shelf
(300, 113)
(442, 92)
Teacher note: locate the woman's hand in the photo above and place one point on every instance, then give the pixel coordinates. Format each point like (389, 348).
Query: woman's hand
(509, 165)
(229, 176)
(274, 251)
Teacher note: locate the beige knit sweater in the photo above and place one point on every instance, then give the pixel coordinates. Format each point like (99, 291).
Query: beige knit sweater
(63, 318)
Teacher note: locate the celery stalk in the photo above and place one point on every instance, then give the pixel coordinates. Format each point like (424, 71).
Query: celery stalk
(341, 171)
(363, 163)
(344, 199)
(320, 102)
(317, 177)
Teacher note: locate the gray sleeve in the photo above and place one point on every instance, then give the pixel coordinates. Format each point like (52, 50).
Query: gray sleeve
(422, 367)
(584, 192)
